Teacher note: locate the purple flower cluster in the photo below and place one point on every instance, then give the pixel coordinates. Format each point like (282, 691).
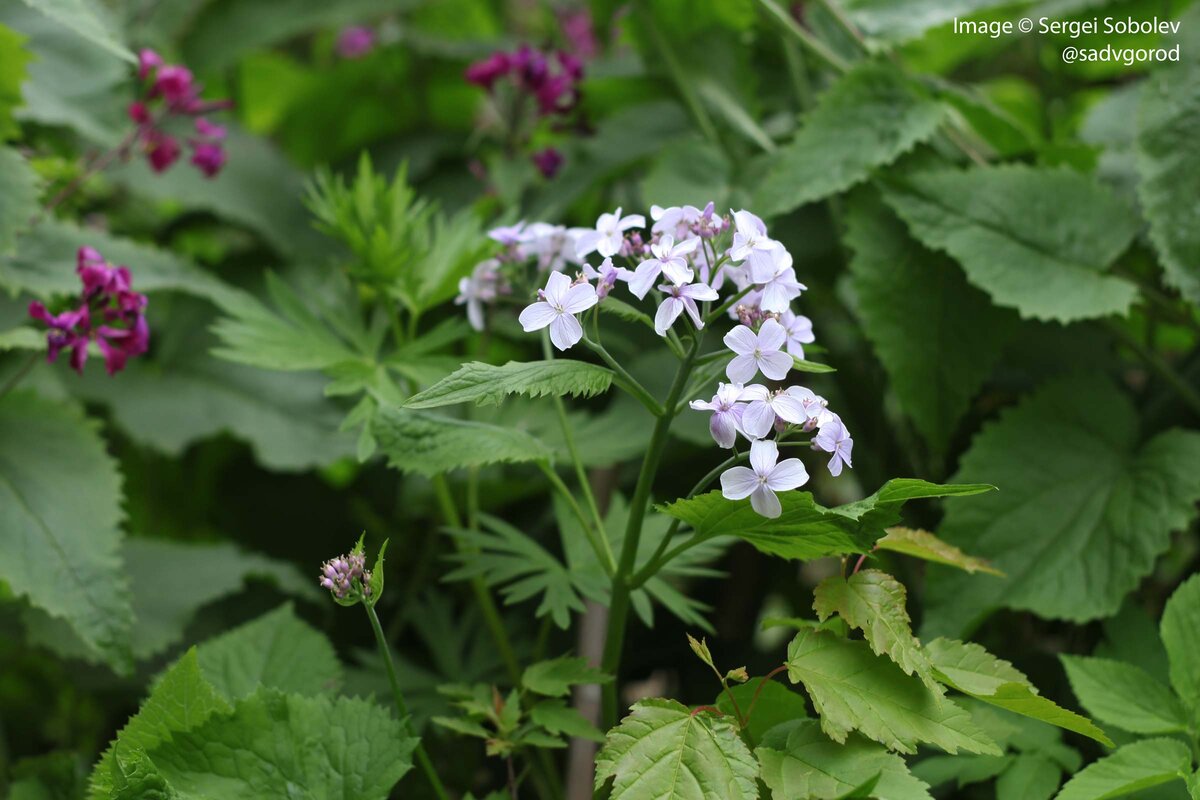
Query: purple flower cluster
(355, 42)
(690, 255)
(346, 577)
(107, 311)
(169, 91)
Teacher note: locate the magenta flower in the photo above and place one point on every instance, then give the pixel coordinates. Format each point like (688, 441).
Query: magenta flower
(726, 419)
(559, 302)
(757, 352)
(170, 90)
(763, 478)
(680, 299)
(485, 73)
(67, 330)
(547, 161)
(148, 60)
(175, 85)
(208, 157)
(162, 150)
(355, 41)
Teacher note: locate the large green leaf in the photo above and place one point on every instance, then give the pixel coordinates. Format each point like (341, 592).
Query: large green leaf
(180, 700)
(13, 60)
(485, 384)
(766, 705)
(60, 507)
(806, 529)
(875, 603)
(1124, 695)
(1032, 776)
(900, 20)
(18, 200)
(1038, 240)
(1131, 768)
(870, 117)
(662, 750)
(926, 546)
(554, 678)
(1180, 621)
(854, 689)
(89, 19)
(333, 748)
(427, 444)
(277, 651)
(1083, 510)
(1168, 164)
(939, 343)
(798, 760)
(972, 670)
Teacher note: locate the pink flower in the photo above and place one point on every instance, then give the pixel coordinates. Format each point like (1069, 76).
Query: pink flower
(67, 330)
(148, 60)
(763, 479)
(559, 302)
(485, 73)
(670, 258)
(208, 157)
(210, 131)
(162, 150)
(355, 42)
(174, 84)
(139, 113)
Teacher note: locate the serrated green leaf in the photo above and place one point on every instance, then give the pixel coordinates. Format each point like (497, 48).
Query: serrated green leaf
(938, 344)
(507, 558)
(875, 603)
(376, 582)
(1032, 776)
(1124, 695)
(332, 747)
(1070, 465)
(60, 507)
(554, 678)
(869, 118)
(1168, 119)
(559, 718)
(776, 705)
(181, 700)
(924, 545)
(1037, 240)
(972, 670)
(662, 750)
(485, 384)
(805, 529)
(19, 200)
(1131, 768)
(798, 760)
(277, 651)
(1180, 621)
(428, 444)
(853, 689)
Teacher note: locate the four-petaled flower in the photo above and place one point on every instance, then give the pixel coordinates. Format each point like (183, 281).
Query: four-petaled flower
(678, 300)
(726, 419)
(764, 406)
(482, 287)
(606, 276)
(559, 302)
(763, 478)
(750, 242)
(757, 352)
(832, 437)
(669, 259)
(799, 332)
(609, 233)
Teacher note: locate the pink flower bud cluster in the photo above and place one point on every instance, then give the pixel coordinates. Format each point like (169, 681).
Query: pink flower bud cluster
(346, 577)
(107, 311)
(169, 91)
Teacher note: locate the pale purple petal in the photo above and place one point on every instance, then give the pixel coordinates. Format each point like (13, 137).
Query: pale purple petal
(787, 475)
(771, 336)
(764, 501)
(631, 221)
(537, 316)
(835, 465)
(565, 331)
(723, 427)
(741, 369)
(587, 242)
(742, 341)
(699, 291)
(757, 419)
(667, 313)
(789, 408)
(644, 277)
(702, 405)
(677, 271)
(755, 391)
(556, 288)
(738, 482)
(579, 297)
(775, 365)
(763, 455)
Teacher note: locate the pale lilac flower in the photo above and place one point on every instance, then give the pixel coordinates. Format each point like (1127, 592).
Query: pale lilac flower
(680, 299)
(606, 277)
(726, 420)
(553, 245)
(763, 478)
(607, 237)
(776, 280)
(799, 332)
(834, 438)
(765, 405)
(345, 575)
(560, 301)
(508, 235)
(669, 259)
(479, 289)
(676, 220)
(757, 352)
(751, 243)
(812, 403)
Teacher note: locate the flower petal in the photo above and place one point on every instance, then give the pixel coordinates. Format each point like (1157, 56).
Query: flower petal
(789, 408)
(787, 475)
(775, 365)
(742, 341)
(757, 419)
(738, 483)
(667, 313)
(723, 427)
(763, 454)
(644, 277)
(741, 369)
(537, 316)
(764, 501)
(579, 297)
(771, 336)
(565, 331)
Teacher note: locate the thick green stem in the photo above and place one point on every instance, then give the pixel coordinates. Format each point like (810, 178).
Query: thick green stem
(618, 611)
(422, 758)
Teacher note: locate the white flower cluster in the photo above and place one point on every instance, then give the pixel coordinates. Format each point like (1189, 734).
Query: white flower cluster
(692, 259)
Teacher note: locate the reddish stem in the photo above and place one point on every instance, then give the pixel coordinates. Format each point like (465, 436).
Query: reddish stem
(858, 564)
(710, 709)
(758, 691)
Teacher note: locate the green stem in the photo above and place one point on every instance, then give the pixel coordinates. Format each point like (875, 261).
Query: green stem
(804, 37)
(624, 379)
(683, 82)
(1156, 362)
(596, 538)
(618, 611)
(419, 753)
(20, 374)
(487, 606)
